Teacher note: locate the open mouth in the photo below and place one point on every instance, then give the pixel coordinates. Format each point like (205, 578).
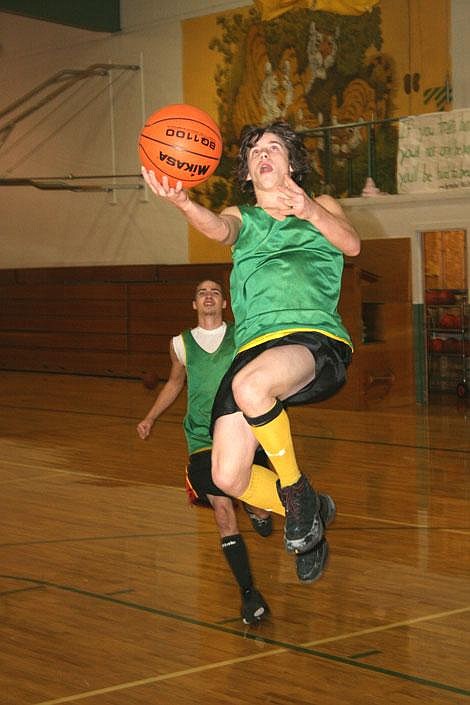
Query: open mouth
(265, 168)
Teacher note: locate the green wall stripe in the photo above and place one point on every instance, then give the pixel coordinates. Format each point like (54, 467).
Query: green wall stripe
(101, 16)
(419, 347)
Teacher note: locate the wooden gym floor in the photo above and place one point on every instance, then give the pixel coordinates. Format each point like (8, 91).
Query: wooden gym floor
(115, 592)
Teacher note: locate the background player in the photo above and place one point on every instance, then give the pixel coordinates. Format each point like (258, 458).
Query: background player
(201, 356)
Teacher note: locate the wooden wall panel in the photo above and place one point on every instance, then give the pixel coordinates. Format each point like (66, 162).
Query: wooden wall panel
(119, 321)
(167, 327)
(62, 341)
(53, 307)
(142, 364)
(350, 301)
(382, 370)
(390, 260)
(52, 323)
(162, 291)
(149, 343)
(48, 275)
(114, 321)
(162, 309)
(76, 291)
(112, 364)
(7, 276)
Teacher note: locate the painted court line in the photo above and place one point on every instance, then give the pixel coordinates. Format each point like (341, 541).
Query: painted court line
(273, 652)
(405, 524)
(384, 628)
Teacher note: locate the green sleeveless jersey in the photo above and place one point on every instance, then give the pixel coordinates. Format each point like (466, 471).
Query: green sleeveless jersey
(286, 277)
(204, 371)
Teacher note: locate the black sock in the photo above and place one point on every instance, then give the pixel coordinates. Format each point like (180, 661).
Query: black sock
(237, 557)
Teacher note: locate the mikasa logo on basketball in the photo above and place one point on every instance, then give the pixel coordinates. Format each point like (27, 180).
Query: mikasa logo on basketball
(180, 143)
(191, 137)
(197, 169)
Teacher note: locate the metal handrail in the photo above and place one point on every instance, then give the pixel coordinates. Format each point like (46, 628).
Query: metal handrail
(325, 133)
(70, 183)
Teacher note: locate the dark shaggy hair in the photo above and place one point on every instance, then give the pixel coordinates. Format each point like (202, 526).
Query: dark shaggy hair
(297, 152)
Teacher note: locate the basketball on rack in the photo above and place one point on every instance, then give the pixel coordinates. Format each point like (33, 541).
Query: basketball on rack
(182, 142)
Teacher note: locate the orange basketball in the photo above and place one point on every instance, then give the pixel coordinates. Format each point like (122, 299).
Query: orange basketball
(181, 142)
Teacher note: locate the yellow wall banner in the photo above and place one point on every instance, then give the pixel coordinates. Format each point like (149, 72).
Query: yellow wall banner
(269, 9)
(345, 7)
(434, 152)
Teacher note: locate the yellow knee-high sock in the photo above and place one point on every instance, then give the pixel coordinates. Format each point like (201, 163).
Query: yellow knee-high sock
(275, 437)
(262, 491)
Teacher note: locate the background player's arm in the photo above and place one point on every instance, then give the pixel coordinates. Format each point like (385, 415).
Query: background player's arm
(168, 394)
(221, 227)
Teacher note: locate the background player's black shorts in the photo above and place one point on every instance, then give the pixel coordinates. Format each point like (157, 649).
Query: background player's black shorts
(332, 358)
(199, 476)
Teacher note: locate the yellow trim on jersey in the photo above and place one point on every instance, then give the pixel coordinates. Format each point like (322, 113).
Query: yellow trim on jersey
(281, 333)
(201, 450)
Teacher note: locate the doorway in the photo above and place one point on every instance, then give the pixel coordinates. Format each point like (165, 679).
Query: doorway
(444, 254)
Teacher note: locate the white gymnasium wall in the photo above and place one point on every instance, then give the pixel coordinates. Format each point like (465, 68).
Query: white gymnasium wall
(73, 135)
(42, 228)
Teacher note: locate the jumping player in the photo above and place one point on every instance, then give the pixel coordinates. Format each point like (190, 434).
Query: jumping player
(292, 347)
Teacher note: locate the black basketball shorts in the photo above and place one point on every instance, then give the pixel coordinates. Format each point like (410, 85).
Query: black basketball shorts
(332, 358)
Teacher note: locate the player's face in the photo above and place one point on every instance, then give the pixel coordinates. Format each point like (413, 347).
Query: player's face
(209, 298)
(268, 162)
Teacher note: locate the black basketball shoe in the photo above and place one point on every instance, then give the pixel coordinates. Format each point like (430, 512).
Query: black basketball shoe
(310, 565)
(327, 509)
(303, 527)
(263, 527)
(254, 607)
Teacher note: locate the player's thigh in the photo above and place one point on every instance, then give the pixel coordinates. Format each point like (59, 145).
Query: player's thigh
(277, 372)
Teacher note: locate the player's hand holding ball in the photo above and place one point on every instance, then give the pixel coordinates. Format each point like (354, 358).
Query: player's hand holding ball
(176, 195)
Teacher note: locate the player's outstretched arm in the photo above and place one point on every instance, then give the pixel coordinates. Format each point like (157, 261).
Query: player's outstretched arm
(222, 227)
(168, 394)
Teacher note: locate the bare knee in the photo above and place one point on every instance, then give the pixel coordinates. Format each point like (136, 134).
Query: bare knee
(231, 478)
(232, 454)
(250, 391)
